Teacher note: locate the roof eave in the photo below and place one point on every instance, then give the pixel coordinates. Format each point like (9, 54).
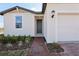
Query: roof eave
(6, 11)
(42, 12)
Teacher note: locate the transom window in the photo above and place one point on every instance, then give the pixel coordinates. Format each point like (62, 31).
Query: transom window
(18, 21)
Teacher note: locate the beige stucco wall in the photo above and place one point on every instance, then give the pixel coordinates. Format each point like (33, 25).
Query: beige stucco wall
(45, 26)
(61, 27)
(28, 23)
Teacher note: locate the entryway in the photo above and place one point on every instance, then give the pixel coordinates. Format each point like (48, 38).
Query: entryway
(39, 26)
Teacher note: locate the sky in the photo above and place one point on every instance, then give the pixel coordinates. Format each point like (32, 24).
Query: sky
(31, 6)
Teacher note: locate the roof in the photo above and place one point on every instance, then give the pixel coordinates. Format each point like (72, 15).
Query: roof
(13, 8)
(44, 7)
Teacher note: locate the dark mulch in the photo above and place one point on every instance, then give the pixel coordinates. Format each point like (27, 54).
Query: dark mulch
(15, 46)
(54, 51)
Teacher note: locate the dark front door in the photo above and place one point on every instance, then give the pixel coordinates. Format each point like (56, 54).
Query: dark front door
(39, 26)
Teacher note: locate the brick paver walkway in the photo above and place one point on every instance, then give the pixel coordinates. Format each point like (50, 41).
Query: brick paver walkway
(39, 48)
(70, 49)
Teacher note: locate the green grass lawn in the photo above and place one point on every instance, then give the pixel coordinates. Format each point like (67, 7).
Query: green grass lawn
(23, 52)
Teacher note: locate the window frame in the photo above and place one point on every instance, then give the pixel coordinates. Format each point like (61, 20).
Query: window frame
(18, 22)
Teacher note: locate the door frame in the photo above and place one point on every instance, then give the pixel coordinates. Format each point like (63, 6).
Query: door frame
(38, 34)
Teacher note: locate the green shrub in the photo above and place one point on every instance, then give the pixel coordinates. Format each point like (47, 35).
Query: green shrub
(14, 39)
(29, 38)
(23, 38)
(1, 37)
(55, 47)
(8, 39)
(1, 34)
(4, 40)
(19, 38)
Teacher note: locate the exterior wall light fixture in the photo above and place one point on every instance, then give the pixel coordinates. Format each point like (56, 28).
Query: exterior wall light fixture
(53, 13)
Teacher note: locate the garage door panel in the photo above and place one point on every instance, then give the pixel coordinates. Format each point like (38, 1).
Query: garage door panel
(68, 27)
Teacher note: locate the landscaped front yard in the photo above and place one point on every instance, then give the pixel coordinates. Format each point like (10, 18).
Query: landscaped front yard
(15, 45)
(21, 46)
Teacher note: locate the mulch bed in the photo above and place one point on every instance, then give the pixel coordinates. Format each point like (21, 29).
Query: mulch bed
(53, 52)
(15, 46)
(23, 52)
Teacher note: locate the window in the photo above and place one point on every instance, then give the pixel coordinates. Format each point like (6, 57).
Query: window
(18, 21)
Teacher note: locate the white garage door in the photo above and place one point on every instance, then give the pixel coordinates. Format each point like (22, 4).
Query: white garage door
(68, 27)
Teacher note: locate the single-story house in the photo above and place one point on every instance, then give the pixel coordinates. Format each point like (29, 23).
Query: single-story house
(56, 22)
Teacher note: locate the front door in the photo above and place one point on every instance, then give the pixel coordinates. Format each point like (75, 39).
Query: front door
(39, 26)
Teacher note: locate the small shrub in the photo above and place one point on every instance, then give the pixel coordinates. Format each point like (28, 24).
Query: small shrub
(5, 40)
(14, 39)
(1, 37)
(28, 38)
(19, 38)
(55, 47)
(8, 39)
(1, 34)
(23, 38)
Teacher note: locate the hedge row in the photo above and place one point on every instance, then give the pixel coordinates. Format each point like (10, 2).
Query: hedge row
(14, 39)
